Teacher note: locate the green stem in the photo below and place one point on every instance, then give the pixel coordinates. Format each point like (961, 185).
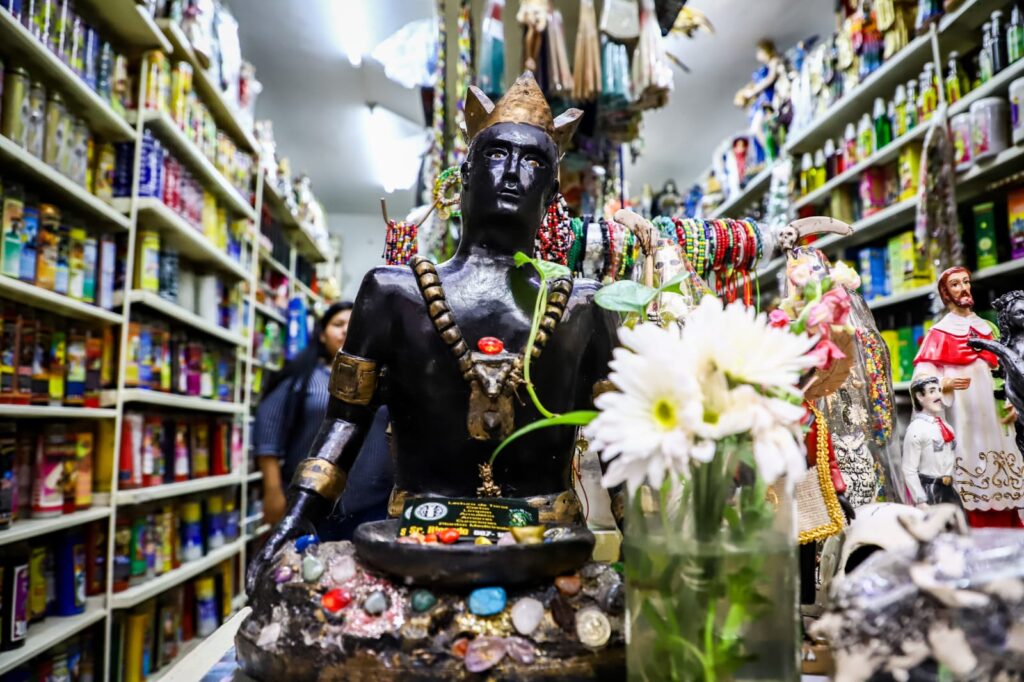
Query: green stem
(538, 311)
(708, 659)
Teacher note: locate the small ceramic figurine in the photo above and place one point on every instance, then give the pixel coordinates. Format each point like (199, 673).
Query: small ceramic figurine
(989, 475)
(929, 446)
(1010, 351)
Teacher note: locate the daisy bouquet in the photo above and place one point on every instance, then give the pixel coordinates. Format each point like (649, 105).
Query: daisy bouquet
(705, 433)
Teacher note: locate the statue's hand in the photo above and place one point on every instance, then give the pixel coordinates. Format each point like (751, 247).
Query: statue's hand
(954, 384)
(1011, 415)
(295, 524)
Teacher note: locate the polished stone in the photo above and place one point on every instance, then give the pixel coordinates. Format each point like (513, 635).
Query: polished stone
(487, 601)
(569, 585)
(484, 653)
(376, 603)
(422, 600)
(527, 613)
(312, 568)
(304, 541)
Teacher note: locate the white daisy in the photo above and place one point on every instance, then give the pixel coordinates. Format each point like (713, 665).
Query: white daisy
(742, 346)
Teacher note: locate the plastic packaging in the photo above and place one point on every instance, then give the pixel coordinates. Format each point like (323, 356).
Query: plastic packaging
(960, 128)
(1016, 113)
(989, 127)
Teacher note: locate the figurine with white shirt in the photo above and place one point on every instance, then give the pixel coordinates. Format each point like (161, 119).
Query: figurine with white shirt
(929, 446)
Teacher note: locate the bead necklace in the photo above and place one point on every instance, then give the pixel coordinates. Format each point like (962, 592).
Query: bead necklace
(400, 242)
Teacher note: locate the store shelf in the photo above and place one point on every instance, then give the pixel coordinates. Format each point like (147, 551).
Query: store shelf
(996, 86)
(203, 168)
(183, 651)
(57, 187)
(872, 227)
(42, 64)
(254, 476)
(185, 316)
(996, 169)
(187, 239)
(209, 93)
(260, 530)
(130, 22)
(901, 297)
(160, 492)
(270, 312)
(304, 288)
(270, 366)
(961, 28)
(852, 174)
(151, 588)
(51, 632)
(903, 66)
(38, 297)
(32, 528)
(55, 412)
(275, 264)
(181, 402)
(307, 245)
(901, 386)
(998, 270)
(278, 209)
(757, 187)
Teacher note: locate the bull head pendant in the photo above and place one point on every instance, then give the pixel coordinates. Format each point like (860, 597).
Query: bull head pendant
(492, 386)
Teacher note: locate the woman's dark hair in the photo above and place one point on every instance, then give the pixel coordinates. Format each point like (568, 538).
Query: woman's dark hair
(298, 369)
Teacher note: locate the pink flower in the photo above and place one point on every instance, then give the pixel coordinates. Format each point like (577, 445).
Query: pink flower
(778, 319)
(825, 353)
(833, 308)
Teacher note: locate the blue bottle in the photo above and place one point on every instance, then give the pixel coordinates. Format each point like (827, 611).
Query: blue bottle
(298, 334)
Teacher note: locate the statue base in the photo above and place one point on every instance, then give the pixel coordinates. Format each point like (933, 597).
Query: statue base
(323, 615)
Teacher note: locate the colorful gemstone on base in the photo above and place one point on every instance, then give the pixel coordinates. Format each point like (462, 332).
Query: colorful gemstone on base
(490, 345)
(487, 601)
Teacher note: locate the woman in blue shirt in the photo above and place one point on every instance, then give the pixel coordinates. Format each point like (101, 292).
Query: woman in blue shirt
(293, 405)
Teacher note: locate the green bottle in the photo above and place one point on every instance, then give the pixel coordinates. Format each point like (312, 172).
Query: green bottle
(1014, 36)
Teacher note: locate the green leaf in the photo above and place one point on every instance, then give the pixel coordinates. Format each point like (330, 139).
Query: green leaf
(551, 270)
(547, 269)
(672, 286)
(578, 418)
(625, 296)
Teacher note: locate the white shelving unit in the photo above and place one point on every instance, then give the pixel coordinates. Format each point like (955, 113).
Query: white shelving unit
(755, 188)
(129, 25)
(51, 632)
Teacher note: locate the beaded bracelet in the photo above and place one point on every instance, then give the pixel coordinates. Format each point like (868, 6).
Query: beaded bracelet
(606, 245)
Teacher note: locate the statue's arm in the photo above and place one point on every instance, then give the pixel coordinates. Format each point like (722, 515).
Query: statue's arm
(320, 478)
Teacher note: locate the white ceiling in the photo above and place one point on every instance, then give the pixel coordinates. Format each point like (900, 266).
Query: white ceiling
(317, 100)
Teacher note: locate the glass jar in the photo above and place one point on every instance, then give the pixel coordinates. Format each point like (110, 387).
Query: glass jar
(711, 578)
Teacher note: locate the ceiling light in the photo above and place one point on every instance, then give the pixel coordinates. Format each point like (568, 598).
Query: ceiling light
(395, 148)
(350, 21)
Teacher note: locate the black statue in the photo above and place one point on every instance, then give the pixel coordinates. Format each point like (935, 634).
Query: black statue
(414, 336)
(1010, 351)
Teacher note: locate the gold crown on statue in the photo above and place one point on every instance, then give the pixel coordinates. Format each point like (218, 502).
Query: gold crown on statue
(523, 103)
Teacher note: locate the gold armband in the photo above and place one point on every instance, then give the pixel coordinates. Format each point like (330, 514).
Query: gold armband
(602, 386)
(321, 477)
(353, 379)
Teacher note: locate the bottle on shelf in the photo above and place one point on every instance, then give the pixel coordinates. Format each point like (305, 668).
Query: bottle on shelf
(849, 147)
(882, 130)
(911, 118)
(998, 43)
(956, 80)
(899, 103)
(14, 604)
(985, 67)
(929, 95)
(1014, 36)
(865, 138)
(831, 160)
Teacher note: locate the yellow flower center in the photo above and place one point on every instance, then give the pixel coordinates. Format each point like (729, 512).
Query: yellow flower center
(665, 414)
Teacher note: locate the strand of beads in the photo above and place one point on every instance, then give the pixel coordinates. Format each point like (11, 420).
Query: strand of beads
(446, 193)
(400, 242)
(556, 236)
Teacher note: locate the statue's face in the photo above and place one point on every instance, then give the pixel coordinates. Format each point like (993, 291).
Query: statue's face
(958, 289)
(930, 399)
(511, 172)
(1016, 315)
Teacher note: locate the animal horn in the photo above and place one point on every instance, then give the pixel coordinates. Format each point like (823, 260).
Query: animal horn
(478, 107)
(820, 225)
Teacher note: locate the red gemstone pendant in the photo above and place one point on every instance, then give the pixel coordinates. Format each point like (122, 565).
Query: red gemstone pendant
(489, 345)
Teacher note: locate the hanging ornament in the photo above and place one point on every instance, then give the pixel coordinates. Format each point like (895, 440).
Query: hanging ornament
(463, 79)
(491, 60)
(586, 75)
(446, 193)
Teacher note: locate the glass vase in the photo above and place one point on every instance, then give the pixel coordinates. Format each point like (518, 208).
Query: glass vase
(711, 575)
